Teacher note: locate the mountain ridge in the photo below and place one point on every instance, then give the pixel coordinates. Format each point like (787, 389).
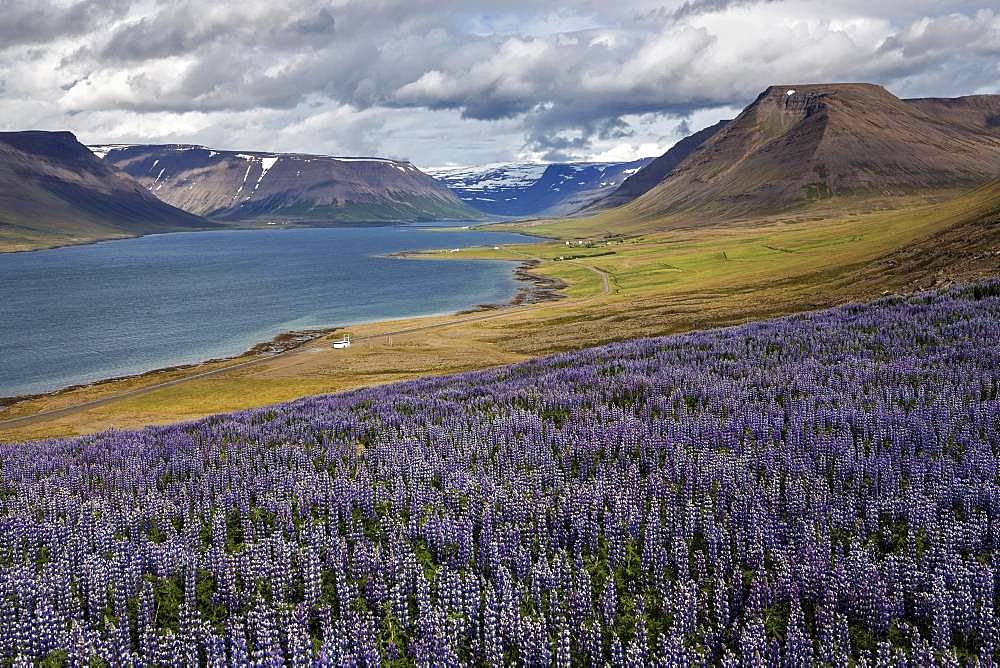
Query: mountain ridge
(54, 191)
(243, 186)
(796, 144)
(536, 189)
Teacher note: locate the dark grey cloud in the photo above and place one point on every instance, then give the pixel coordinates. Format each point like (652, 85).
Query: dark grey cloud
(39, 21)
(572, 77)
(185, 28)
(159, 36)
(320, 23)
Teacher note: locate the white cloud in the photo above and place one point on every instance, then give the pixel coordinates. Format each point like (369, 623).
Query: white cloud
(444, 81)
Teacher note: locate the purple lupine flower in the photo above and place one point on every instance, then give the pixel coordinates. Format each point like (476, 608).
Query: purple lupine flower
(819, 488)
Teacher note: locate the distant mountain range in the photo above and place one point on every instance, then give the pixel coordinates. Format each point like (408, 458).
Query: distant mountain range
(532, 189)
(792, 147)
(54, 191)
(290, 187)
(800, 144)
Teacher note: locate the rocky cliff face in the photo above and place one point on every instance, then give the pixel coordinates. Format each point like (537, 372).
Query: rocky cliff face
(54, 191)
(530, 189)
(247, 186)
(801, 143)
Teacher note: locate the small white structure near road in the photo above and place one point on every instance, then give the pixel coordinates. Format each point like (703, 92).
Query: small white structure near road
(343, 342)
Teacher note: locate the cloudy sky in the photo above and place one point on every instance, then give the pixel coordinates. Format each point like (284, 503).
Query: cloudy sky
(441, 82)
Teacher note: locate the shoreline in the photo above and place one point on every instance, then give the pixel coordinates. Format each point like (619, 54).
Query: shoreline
(281, 343)
(88, 242)
(224, 226)
(537, 289)
(102, 240)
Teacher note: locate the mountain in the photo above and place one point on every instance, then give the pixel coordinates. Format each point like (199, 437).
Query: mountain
(652, 174)
(532, 189)
(798, 144)
(977, 113)
(289, 187)
(53, 191)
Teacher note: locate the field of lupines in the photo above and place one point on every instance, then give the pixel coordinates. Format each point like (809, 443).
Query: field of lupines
(820, 489)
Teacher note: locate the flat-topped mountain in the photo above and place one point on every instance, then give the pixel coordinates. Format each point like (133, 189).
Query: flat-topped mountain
(535, 189)
(796, 144)
(54, 191)
(254, 185)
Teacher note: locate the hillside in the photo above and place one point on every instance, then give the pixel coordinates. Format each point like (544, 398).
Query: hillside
(290, 187)
(53, 191)
(656, 171)
(799, 144)
(977, 113)
(531, 189)
(644, 284)
(704, 499)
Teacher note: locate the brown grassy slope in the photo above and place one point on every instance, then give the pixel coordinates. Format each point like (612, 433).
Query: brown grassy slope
(965, 248)
(53, 190)
(830, 140)
(977, 113)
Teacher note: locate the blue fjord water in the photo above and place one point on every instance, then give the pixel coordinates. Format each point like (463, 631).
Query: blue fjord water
(83, 313)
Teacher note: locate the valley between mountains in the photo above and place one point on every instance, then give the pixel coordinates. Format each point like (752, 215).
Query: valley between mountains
(815, 195)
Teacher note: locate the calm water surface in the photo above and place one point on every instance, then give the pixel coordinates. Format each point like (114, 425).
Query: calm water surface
(83, 313)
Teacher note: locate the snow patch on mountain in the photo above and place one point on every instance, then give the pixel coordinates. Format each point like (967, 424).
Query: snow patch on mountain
(244, 182)
(265, 165)
(102, 150)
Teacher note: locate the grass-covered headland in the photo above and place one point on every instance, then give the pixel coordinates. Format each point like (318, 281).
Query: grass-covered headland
(815, 489)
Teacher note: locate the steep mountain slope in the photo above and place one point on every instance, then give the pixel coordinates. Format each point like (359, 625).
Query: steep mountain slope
(801, 143)
(652, 174)
(979, 114)
(229, 185)
(54, 191)
(531, 189)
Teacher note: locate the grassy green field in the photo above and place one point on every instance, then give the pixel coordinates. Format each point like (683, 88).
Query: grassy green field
(661, 278)
(740, 254)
